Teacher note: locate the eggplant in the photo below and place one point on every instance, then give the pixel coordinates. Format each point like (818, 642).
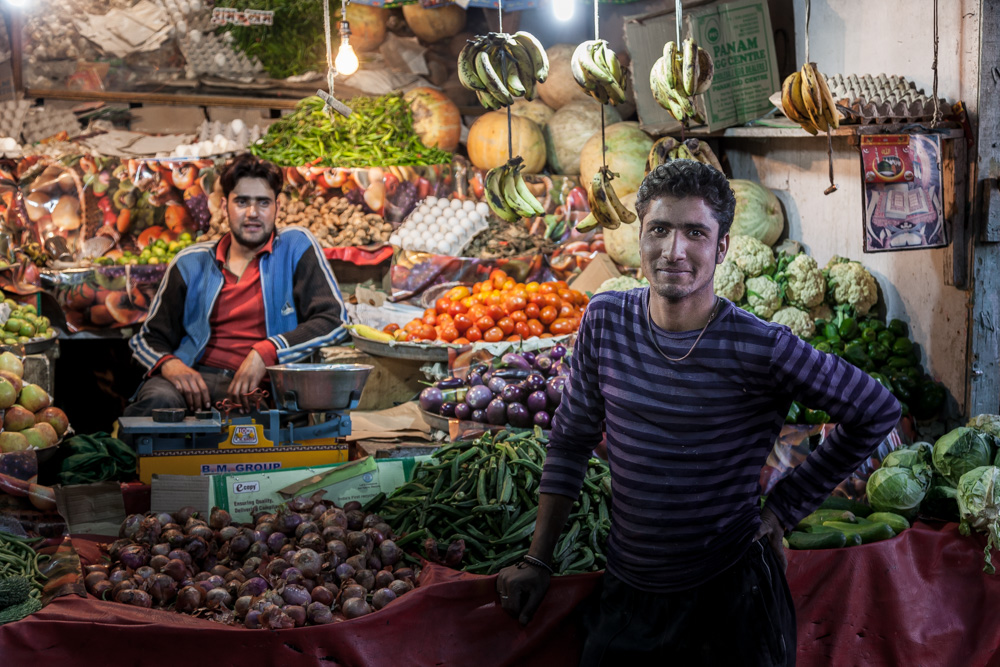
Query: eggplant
(496, 384)
(463, 411)
(450, 383)
(431, 399)
(541, 419)
(479, 416)
(474, 379)
(513, 393)
(537, 401)
(518, 415)
(448, 408)
(496, 412)
(554, 389)
(512, 374)
(515, 360)
(479, 397)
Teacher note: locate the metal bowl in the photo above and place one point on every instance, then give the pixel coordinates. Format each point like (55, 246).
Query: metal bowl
(318, 387)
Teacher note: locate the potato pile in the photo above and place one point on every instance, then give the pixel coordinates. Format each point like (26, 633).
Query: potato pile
(335, 222)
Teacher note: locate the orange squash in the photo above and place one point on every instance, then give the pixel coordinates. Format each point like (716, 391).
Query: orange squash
(436, 119)
(367, 26)
(435, 23)
(487, 142)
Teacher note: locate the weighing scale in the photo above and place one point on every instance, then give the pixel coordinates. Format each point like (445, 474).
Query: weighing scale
(307, 426)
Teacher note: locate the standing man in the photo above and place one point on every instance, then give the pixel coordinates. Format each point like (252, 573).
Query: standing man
(692, 392)
(227, 310)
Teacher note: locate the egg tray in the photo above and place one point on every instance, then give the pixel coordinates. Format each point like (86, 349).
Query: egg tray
(463, 236)
(236, 131)
(41, 123)
(12, 113)
(210, 54)
(868, 99)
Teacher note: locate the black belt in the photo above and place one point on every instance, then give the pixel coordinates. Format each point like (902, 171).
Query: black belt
(201, 368)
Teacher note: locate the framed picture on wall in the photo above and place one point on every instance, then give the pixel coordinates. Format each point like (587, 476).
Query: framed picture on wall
(902, 192)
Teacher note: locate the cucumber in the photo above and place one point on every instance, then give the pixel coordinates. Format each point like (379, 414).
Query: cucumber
(874, 532)
(830, 540)
(853, 539)
(816, 528)
(896, 522)
(819, 516)
(845, 504)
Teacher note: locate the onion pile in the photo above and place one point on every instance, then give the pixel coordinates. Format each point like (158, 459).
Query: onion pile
(524, 392)
(309, 563)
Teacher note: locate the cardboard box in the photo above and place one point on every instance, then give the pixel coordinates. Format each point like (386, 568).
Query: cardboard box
(95, 509)
(738, 36)
(167, 119)
(169, 493)
(200, 462)
(601, 268)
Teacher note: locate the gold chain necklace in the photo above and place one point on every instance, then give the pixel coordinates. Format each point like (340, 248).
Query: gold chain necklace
(652, 333)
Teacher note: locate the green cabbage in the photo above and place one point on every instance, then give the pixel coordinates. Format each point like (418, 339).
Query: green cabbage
(986, 423)
(961, 450)
(758, 212)
(979, 507)
(897, 490)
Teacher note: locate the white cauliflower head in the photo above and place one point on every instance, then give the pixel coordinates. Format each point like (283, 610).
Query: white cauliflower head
(763, 296)
(796, 319)
(821, 312)
(729, 281)
(806, 286)
(752, 256)
(852, 285)
(621, 284)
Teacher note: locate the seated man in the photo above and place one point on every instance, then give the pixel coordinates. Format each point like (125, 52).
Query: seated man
(227, 310)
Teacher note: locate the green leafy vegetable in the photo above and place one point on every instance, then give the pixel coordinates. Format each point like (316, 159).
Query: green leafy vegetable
(897, 490)
(978, 505)
(961, 450)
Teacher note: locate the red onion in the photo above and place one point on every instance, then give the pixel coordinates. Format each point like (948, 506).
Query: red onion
(162, 588)
(345, 571)
(145, 572)
(133, 556)
(182, 515)
(228, 532)
(180, 555)
(308, 561)
(175, 569)
(295, 594)
(385, 529)
(277, 566)
(352, 591)
(292, 575)
(220, 570)
(318, 510)
(202, 531)
(357, 542)
(235, 575)
(399, 587)
(202, 576)
(157, 562)
(355, 607)
(337, 548)
(149, 531)
(257, 550)
(134, 597)
(286, 522)
(322, 594)
(218, 598)
(130, 525)
(192, 522)
(382, 597)
(304, 528)
(125, 585)
(265, 528)
(219, 518)
(403, 573)
(92, 578)
(273, 617)
(365, 579)
(375, 536)
(197, 547)
(241, 542)
(253, 587)
(383, 579)
(311, 541)
(358, 562)
(102, 589)
(295, 612)
(319, 613)
(333, 517)
(352, 505)
(300, 504)
(242, 606)
(97, 568)
(275, 541)
(354, 519)
(164, 518)
(252, 621)
(117, 575)
(250, 565)
(389, 553)
(373, 562)
(371, 520)
(161, 549)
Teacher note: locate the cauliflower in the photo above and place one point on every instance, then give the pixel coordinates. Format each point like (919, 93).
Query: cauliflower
(821, 312)
(986, 423)
(752, 256)
(852, 285)
(797, 320)
(729, 281)
(763, 296)
(621, 284)
(806, 286)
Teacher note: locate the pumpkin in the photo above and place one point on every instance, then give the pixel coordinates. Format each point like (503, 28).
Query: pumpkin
(487, 142)
(560, 88)
(569, 129)
(535, 110)
(627, 150)
(367, 26)
(622, 244)
(758, 212)
(435, 24)
(435, 118)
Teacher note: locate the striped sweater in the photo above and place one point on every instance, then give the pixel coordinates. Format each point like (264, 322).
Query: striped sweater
(687, 440)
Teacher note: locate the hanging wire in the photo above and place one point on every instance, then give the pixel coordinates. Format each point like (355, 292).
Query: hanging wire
(330, 70)
(503, 71)
(597, 35)
(808, 12)
(677, 20)
(934, 66)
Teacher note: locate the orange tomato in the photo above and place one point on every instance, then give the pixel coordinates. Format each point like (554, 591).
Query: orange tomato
(522, 329)
(513, 339)
(477, 288)
(518, 316)
(473, 334)
(476, 312)
(565, 295)
(532, 287)
(442, 304)
(428, 332)
(458, 292)
(532, 311)
(485, 322)
(457, 307)
(390, 328)
(560, 284)
(448, 334)
(515, 302)
(499, 279)
(547, 288)
(400, 334)
(535, 328)
(412, 338)
(430, 319)
(506, 325)
(546, 335)
(509, 284)
(463, 322)
(567, 310)
(413, 326)
(579, 298)
(498, 274)
(548, 314)
(468, 302)
(445, 318)
(562, 326)
(494, 299)
(493, 335)
(429, 311)
(461, 340)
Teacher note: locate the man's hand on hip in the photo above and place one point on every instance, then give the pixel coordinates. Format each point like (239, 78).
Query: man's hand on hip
(248, 377)
(771, 528)
(187, 381)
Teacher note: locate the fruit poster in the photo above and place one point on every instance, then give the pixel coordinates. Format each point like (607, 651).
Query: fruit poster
(903, 192)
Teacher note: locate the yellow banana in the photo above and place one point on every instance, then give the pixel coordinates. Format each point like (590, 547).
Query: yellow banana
(706, 71)
(623, 214)
(799, 105)
(689, 67)
(467, 74)
(658, 153)
(536, 52)
(830, 113)
(371, 333)
(488, 75)
(669, 58)
(811, 99)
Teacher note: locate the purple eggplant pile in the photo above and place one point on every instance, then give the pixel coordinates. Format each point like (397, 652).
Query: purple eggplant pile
(309, 563)
(523, 390)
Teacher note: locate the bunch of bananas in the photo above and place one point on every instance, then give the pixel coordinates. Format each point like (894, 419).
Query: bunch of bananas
(606, 209)
(507, 193)
(668, 148)
(806, 99)
(499, 67)
(596, 68)
(678, 76)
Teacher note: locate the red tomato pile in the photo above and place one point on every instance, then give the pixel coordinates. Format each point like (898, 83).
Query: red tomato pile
(497, 309)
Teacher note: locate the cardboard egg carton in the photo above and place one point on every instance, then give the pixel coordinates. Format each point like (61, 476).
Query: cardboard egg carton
(41, 123)
(880, 98)
(12, 115)
(235, 131)
(209, 54)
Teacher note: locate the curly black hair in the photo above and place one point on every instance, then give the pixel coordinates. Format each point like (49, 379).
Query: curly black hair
(246, 165)
(688, 178)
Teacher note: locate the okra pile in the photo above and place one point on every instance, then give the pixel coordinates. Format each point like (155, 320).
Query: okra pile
(473, 506)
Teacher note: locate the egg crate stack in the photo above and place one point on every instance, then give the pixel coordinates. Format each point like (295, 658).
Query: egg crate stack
(442, 226)
(50, 35)
(220, 139)
(882, 99)
(12, 115)
(186, 14)
(209, 54)
(41, 123)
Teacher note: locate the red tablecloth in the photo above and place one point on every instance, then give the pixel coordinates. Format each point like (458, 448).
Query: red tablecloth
(919, 599)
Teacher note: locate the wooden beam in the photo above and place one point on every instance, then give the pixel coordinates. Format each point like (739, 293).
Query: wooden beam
(178, 99)
(984, 343)
(956, 191)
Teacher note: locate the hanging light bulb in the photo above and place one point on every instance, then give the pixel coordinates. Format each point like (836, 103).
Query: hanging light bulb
(563, 9)
(347, 60)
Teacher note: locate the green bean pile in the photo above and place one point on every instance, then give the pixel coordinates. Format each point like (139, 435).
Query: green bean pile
(485, 492)
(17, 558)
(379, 132)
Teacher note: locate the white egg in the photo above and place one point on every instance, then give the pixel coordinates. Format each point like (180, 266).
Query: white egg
(482, 209)
(474, 217)
(220, 59)
(467, 225)
(430, 201)
(454, 221)
(456, 204)
(451, 237)
(424, 208)
(395, 239)
(407, 244)
(441, 205)
(468, 205)
(444, 247)
(437, 236)
(417, 217)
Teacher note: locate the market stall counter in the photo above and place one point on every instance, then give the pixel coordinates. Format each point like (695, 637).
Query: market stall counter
(915, 599)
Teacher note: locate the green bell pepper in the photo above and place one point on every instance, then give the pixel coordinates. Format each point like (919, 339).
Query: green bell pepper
(899, 362)
(930, 399)
(856, 354)
(887, 338)
(848, 328)
(869, 335)
(898, 328)
(832, 332)
(878, 352)
(824, 347)
(902, 347)
(816, 417)
(882, 380)
(794, 412)
(904, 386)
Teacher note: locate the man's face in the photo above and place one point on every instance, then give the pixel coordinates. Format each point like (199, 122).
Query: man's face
(679, 246)
(252, 210)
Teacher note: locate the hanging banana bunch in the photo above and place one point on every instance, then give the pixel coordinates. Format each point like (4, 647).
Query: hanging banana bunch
(806, 99)
(499, 67)
(668, 148)
(597, 69)
(508, 195)
(680, 74)
(606, 209)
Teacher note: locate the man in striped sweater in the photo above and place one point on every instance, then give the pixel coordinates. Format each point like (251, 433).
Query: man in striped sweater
(692, 393)
(227, 310)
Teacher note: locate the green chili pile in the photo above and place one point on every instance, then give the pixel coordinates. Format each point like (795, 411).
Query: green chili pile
(21, 581)
(379, 132)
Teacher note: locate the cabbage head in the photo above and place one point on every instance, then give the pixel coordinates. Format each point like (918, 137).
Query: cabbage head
(916, 457)
(986, 423)
(897, 490)
(961, 450)
(979, 507)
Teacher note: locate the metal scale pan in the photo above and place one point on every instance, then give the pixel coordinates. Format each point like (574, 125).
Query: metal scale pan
(318, 387)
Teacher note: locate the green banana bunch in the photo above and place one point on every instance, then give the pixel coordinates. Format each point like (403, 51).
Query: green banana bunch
(508, 195)
(680, 74)
(499, 67)
(597, 69)
(668, 148)
(606, 209)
